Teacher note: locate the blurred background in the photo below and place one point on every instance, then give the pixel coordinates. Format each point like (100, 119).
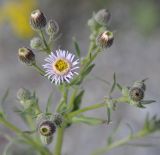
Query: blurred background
(134, 55)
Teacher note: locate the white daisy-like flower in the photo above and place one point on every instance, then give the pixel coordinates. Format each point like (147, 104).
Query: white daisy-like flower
(61, 66)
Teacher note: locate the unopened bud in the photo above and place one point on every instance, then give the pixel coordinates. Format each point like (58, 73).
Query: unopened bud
(26, 56)
(105, 39)
(35, 43)
(52, 27)
(37, 20)
(102, 17)
(23, 94)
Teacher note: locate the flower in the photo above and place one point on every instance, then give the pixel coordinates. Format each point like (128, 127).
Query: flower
(61, 66)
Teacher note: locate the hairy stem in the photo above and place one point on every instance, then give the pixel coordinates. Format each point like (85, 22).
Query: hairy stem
(28, 140)
(92, 107)
(48, 50)
(59, 141)
(39, 69)
(142, 133)
(95, 106)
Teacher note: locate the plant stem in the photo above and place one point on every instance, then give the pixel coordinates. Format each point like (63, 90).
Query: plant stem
(48, 50)
(92, 107)
(28, 140)
(95, 106)
(59, 141)
(39, 69)
(121, 142)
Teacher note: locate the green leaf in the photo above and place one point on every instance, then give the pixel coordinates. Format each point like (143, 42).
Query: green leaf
(108, 115)
(114, 84)
(119, 86)
(78, 100)
(147, 101)
(88, 120)
(49, 102)
(88, 70)
(102, 80)
(76, 46)
(139, 105)
(5, 96)
(2, 113)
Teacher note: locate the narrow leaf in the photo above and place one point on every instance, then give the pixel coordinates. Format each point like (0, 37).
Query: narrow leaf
(76, 46)
(114, 84)
(2, 113)
(119, 86)
(49, 102)
(108, 115)
(102, 80)
(147, 101)
(88, 70)
(5, 96)
(78, 100)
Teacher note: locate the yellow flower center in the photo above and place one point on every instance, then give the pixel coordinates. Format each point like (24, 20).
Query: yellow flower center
(61, 66)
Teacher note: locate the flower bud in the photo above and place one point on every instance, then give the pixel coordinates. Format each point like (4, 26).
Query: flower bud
(46, 139)
(136, 94)
(58, 119)
(47, 128)
(23, 94)
(26, 56)
(52, 27)
(105, 39)
(37, 20)
(35, 43)
(102, 17)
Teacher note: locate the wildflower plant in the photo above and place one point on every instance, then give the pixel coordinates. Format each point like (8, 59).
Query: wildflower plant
(68, 70)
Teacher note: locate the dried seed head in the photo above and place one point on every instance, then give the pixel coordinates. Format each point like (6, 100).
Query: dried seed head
(23, 94)
(26, 56)
(105, 39)
(36, 43)
(46, 140)
(136, 94)
(47, 128)
(52, 27)
(102, 17)
(37, 20)
(140, 84)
